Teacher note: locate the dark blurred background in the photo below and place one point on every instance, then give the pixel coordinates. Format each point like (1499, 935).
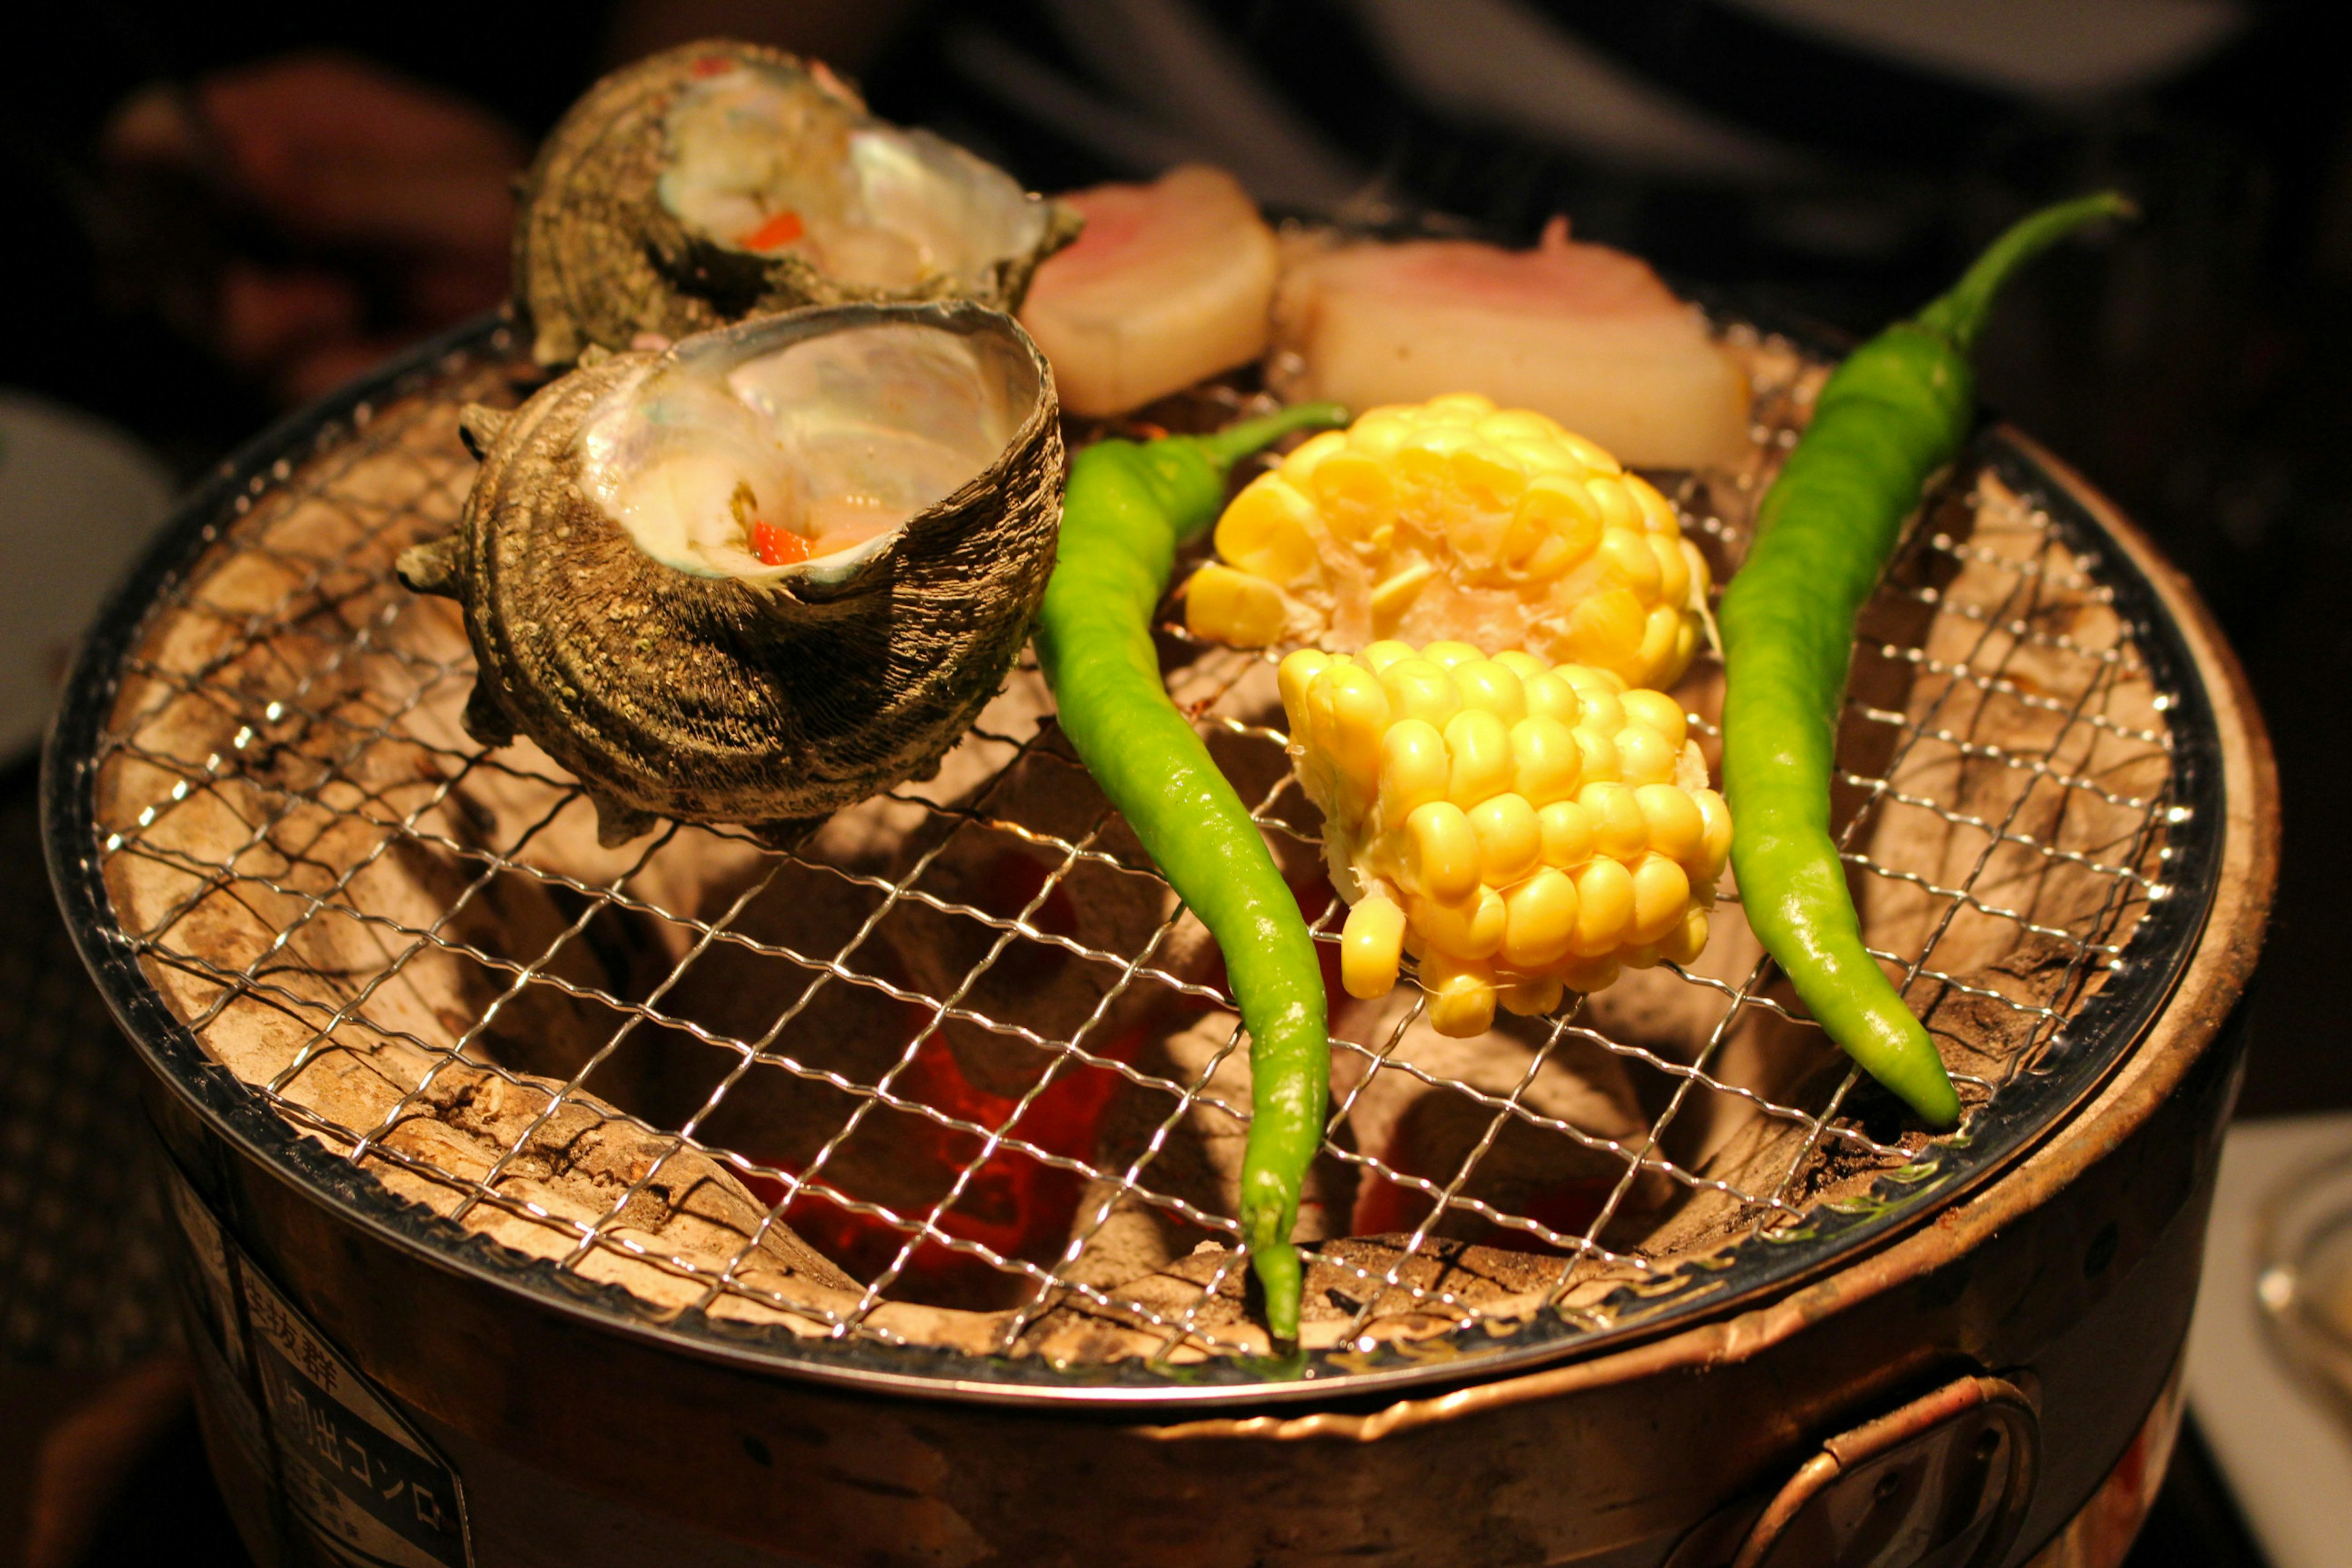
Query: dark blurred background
(217, 211)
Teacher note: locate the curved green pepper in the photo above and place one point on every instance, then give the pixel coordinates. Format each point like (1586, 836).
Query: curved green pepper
(1887, 419)
(1125, 508)
(1895, 411)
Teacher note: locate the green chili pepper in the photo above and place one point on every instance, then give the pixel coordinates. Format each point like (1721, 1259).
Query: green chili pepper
(1896, 411)
(1125, 508)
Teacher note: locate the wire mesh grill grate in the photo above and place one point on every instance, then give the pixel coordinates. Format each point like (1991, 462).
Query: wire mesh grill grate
(959, 1073)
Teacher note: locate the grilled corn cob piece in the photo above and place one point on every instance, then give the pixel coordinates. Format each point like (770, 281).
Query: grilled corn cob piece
(1520, 828)
(1452, 519)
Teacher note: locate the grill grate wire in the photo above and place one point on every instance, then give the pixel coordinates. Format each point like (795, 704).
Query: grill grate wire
(326, 695)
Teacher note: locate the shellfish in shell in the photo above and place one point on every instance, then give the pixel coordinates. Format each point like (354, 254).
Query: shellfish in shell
(764, 572)
(722, 180)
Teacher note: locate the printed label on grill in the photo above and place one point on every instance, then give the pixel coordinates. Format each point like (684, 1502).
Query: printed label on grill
(215, 1290)
(352, 1470)
(365, 1484)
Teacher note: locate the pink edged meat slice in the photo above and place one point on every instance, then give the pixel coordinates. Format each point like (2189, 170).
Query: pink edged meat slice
(1583, 334)
(1170, 283)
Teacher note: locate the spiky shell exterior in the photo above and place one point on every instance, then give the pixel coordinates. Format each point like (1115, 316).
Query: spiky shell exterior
(599, 259)
(707, 699)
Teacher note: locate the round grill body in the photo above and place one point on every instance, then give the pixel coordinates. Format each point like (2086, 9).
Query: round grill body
(540, 1344)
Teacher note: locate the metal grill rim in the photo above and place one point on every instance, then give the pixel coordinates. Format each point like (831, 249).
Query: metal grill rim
(2060, 1068)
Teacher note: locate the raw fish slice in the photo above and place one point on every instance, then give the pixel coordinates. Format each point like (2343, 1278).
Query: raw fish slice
(1168, 283)
(1580, 332)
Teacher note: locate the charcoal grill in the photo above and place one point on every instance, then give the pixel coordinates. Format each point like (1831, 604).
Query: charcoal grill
(865, 1203)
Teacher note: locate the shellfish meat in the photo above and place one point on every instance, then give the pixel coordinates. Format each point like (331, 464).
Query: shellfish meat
(763, 573)
(722, 180)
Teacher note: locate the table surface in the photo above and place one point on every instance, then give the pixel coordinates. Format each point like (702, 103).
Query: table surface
(2286, 1458)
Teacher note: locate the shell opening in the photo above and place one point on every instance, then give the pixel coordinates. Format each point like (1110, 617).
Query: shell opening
(772, 161)
(738, 456)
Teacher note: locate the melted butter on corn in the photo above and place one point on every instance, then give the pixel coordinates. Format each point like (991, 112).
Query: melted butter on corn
(1521, 829)
(1454, 517)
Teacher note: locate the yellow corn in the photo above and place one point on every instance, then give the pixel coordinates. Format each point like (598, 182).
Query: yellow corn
(1454, 519)
(1517, 827)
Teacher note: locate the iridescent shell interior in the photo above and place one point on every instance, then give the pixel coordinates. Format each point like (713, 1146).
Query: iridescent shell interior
(772, 160)
(838, 438)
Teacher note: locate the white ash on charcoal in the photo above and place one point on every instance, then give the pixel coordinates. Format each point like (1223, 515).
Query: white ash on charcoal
(408, 941)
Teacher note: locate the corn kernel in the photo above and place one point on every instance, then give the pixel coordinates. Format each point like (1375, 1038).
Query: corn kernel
(1469, 930)
(1231, 606)
(1661, 894)
(1605, 907)
(1677, 829)
(1394, 594)
(1545, 456)
(1686, 940)
(1556, 554)
(1420, 689)
(1642, 755)
(1359, 717)
(1571, 836)
(1607, 628)
(1378, 656)
(1492, 686)
(1658, 649)
(1268, 530)
(1523, 664)
(1419, 466)
(1590, 455)
(1519, 425)
(1538, 920)
(1296, 673)
(1461, 1001)
(1446, 655)
(1441, 852)
(1657, 512)
(1562, 506)
(1598, 695)
(1673, 570)
(1480, 748)
(1588, 974)
(1300, 466)
(1599, 749)
(1549, 697)
(1630, 561)
(1487, 479)
(1686, 646)
(1529, 998)
(1546, 763)
(1370, 945)
(1415, 766)
(1527, 549)
(1354, 493)
(1510, 839)
(1378, 432)
(1618, 829)
(1461, 407)
(1717, 839)
(1658, 712)
(1617, 510)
